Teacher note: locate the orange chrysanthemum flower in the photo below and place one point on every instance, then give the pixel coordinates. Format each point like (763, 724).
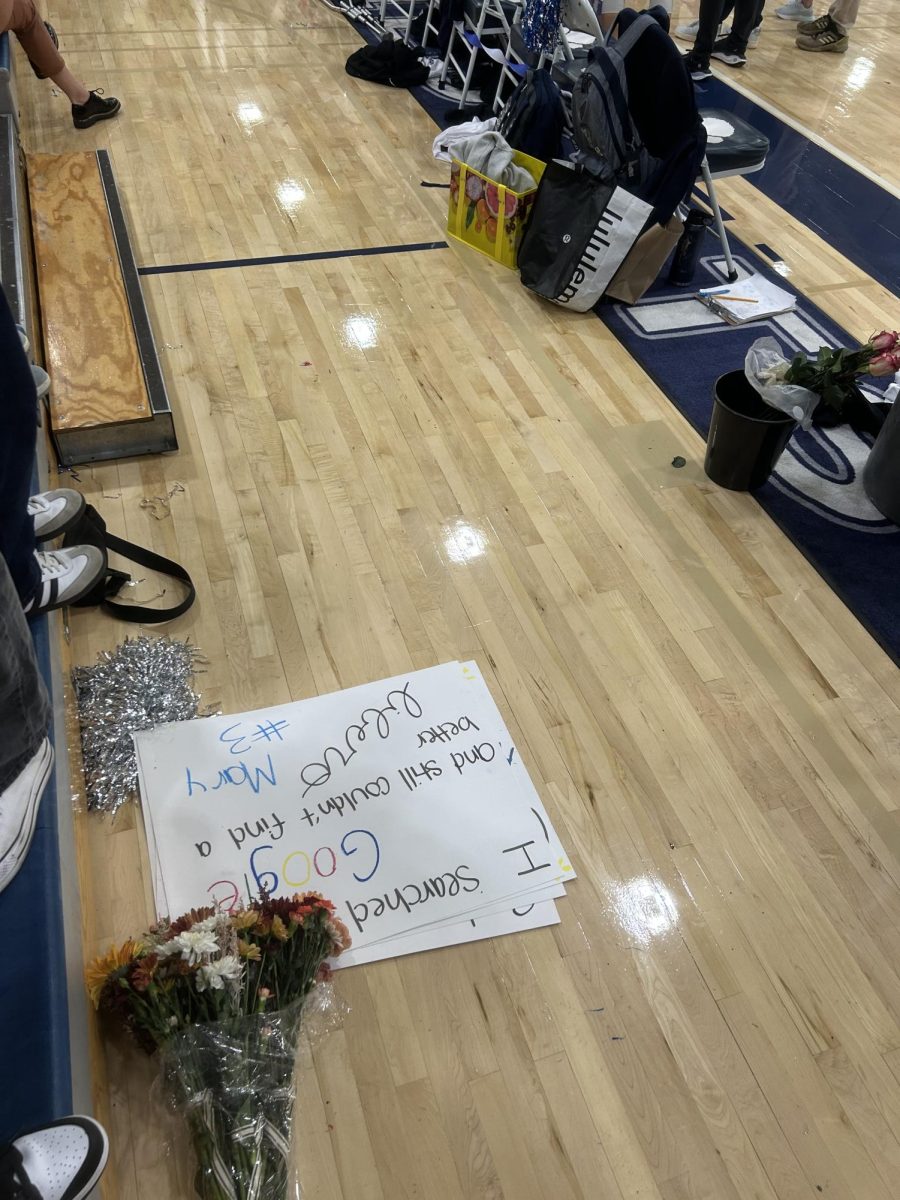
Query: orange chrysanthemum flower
(101, 968)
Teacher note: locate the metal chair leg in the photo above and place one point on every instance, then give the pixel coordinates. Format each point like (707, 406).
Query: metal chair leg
(720, 224)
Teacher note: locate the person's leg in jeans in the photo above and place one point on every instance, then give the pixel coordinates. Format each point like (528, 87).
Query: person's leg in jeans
(18, 433)
(48, 579)
(24, 707)
(25, 754)
(829, 32)
(844, 12)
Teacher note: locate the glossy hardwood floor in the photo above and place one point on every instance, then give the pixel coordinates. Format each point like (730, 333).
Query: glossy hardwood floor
(718, 1015)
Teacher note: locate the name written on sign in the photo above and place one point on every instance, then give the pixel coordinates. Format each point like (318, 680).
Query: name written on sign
(377, 722)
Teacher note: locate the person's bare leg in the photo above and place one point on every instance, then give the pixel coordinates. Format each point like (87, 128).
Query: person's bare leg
(73, 88)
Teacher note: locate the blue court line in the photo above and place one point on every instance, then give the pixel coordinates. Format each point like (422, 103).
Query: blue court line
(851, 212)
(276, 259)
(768, 252)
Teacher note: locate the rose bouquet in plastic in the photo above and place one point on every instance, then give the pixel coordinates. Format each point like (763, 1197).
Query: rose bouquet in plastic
(220, 997)
(824, 390)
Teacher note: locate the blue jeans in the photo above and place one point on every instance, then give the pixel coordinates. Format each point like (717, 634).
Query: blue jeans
(24, 707)
(18, 434)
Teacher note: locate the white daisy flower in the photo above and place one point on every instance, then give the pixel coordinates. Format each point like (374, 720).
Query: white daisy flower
(216, 974)
(191, 945)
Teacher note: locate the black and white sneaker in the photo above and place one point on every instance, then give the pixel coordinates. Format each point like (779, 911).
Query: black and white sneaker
(55, 512)
(19, 805)
(723, 52)
(66, 576)
(697, 66)
(59, 1161)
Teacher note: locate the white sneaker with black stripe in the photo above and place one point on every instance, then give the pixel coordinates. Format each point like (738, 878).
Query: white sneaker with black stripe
(66, 576)
(59, 1161)
(55, 511)
(19, 805)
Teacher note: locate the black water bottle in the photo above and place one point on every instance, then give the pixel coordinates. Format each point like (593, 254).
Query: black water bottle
(684, 262)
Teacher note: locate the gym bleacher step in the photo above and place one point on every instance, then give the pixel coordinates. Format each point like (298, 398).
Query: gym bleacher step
(108, 398)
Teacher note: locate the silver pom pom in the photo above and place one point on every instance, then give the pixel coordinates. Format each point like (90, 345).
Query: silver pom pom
(142, 683)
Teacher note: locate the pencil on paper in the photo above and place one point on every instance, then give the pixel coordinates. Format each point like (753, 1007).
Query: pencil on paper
(740, 299)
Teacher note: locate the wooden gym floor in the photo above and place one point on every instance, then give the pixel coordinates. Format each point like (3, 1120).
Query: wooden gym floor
(718, 1015)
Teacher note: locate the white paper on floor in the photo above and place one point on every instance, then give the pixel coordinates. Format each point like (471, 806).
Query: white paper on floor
(405, 801)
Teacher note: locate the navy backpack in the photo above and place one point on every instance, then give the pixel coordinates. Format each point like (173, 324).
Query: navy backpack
(533, 119)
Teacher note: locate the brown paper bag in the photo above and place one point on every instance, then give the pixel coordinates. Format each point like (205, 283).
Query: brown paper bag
(644, 261)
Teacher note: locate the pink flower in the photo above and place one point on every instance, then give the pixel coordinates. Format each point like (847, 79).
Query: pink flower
(884, 364)
(884, 341)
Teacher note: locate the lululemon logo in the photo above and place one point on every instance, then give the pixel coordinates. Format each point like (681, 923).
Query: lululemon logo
(567, 237)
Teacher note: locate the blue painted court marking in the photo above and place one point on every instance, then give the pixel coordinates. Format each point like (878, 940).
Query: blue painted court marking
(769, 252)
(223, 264)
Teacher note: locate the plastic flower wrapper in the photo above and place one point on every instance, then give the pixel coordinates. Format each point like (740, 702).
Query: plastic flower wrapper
(766, 367)
(831, 376)
(222, 998)
(232, 1082)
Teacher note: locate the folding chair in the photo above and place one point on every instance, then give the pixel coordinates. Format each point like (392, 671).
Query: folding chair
(740, 152)
(432, 23)
(517, 61)
(576, 16)
(402, 9)
(405, 10)
(480, 18)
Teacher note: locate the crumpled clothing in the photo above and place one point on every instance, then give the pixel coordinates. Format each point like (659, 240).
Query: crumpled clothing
(491, 155)
(450, 137)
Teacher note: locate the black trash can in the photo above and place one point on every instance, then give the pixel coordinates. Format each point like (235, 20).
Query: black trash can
(746, 435)
(881, 474)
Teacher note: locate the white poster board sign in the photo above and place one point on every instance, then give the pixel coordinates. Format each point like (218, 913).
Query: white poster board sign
(404, 801)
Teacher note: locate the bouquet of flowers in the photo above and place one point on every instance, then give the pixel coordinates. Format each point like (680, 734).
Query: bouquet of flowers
(831, 377)
(220, 996)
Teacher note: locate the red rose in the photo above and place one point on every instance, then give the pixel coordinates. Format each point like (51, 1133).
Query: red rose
(884, 364)
(886, 340)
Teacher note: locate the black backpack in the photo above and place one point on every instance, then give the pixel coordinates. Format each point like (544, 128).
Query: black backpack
(90, 530)
(602, 127)
(533, 118)
(634, 114)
